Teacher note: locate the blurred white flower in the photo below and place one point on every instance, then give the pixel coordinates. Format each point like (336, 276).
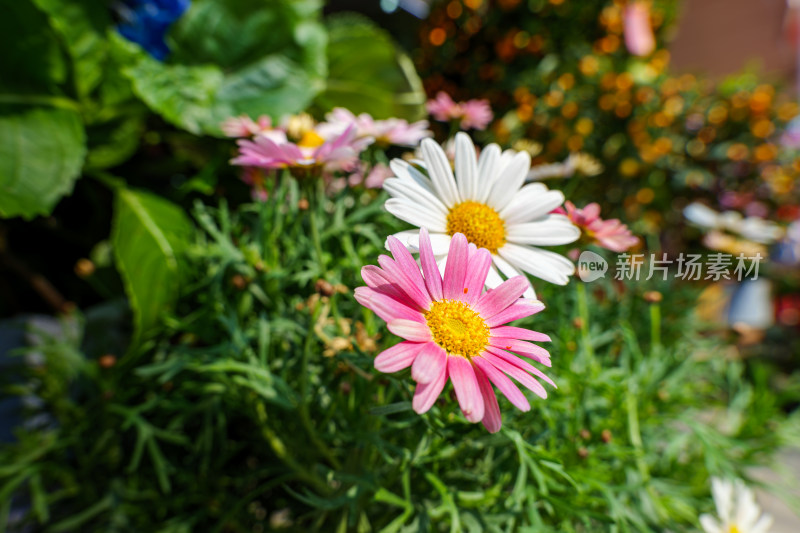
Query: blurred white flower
(755, 229)
(737, 509)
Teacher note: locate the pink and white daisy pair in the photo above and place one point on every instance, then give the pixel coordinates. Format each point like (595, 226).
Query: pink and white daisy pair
(486, 201)
(453, 330)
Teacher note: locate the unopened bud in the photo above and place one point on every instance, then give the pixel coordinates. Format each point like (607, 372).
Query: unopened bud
(653, 297)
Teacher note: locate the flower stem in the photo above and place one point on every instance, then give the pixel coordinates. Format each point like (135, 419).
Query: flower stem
(283, 454)
(583, 313)
(305, 417)
(655, 326)
(316, 197)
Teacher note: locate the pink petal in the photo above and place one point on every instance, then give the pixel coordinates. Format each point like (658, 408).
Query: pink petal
(377, 279)
(429, 364)
(397, 357)
(433, 279)
(516, 360)
(525, 348)
(504, 385)
(387, 307)
(477, 270)
(395, 272)
(410, 330)
(466, 386)
(491, 416)
(407, 264)
(426, 393)
(517, 310)
(517, 373)
(497, 300)
(519, 333)
(455, 269)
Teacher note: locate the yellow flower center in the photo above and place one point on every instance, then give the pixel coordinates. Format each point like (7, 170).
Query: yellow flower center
(479, 223)
(310, 139)
(733, 529)
(457, 328)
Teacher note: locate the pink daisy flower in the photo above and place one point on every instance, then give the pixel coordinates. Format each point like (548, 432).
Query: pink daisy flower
(394, 131)
(453, 330)
(470, 114)
(312, 152)
(609, 234)
(639, 38)
(244, 126)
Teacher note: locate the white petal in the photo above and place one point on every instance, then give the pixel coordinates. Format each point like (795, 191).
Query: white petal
(509, 271)
(710, 525)
(440, 172)
(722, 491)
(530, 203)
(747, 510)
(493, 279)
(543, 264)
(404, 171)
(414, 214)
(466, 167)
(487, 163)
(411, 190)
(406, 238)
(502, 163)
(552, 230)
(763, 524)
(440, 242)
(508, 184)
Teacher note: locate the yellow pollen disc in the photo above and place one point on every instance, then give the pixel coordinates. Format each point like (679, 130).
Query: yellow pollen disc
(733, 529)
(457, 328)
(479, 223)
(311, 139)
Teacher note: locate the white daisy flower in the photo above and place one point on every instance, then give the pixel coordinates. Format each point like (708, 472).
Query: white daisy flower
(737, 509)
(487, 202)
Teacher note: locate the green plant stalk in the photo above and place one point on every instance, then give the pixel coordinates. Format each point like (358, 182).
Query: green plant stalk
(305, 416)
(316, 197)
(283, 454)
(655, 326)
(583, 313)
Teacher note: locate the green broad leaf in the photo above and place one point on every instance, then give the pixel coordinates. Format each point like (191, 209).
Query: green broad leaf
(41, 155)
(148, 236)
(113, 143)
(199, 98)
(367, 73)
(235, 33)
(230, 58)
(32, 61)
(81, 25)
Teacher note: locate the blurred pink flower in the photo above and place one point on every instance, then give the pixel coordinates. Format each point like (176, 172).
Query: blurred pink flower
(244, 126)
(390, 131)
(377, 176)
(639, 37)
(609, 234)
(312, 152)
(470, 114)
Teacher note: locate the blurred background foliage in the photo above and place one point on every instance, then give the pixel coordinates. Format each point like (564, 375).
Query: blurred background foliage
(211, 370)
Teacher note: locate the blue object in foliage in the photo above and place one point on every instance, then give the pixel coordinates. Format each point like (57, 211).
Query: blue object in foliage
(145, 22)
